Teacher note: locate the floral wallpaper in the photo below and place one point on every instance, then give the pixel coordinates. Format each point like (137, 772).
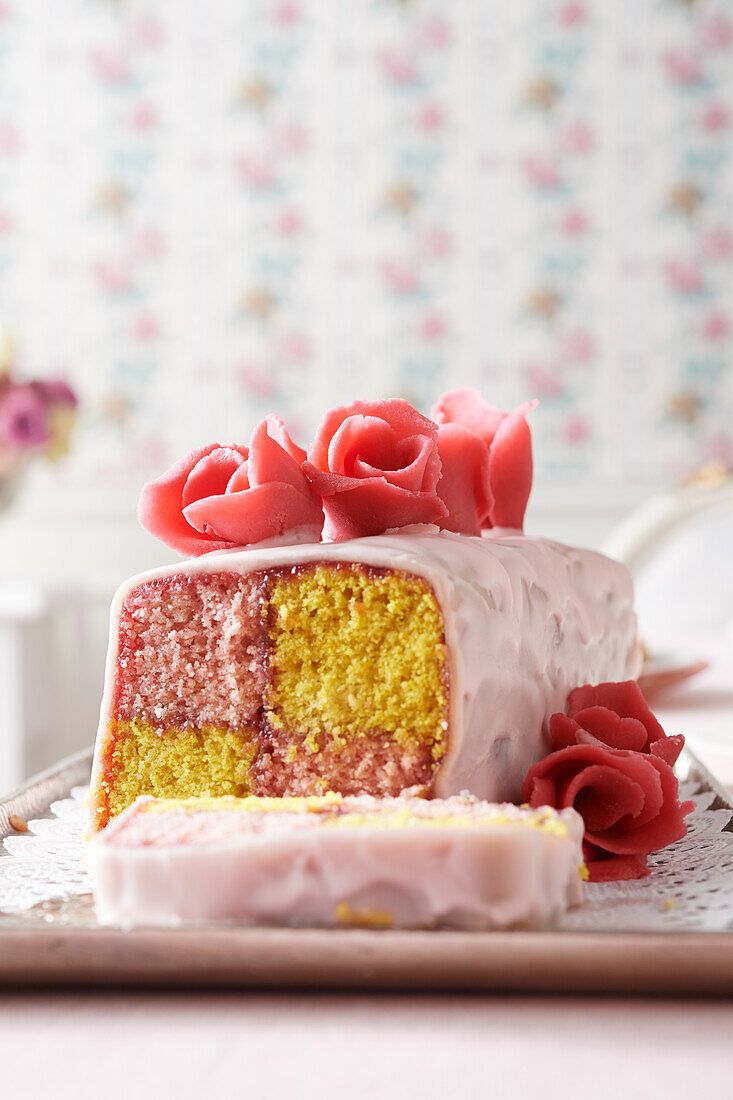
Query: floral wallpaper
(209, 212)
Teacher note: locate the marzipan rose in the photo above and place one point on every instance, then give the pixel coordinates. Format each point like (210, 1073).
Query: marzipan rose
(464, 481)
(509, 442)
(217, 498)
(376, 466)
(615, 715)
(629, 802)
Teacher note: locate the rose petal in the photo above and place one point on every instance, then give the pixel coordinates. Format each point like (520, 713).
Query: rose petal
(270, 462)
(276, 430)
(624, 698)
(608, 729)
(603, 796)
(212, 473)
(368, 440)
(467, 407)
(510, 469)
(262, 512)
(414, 455)
(617, 868)
(464, 482)
(239, 480)
(564, 731)
(668, 748)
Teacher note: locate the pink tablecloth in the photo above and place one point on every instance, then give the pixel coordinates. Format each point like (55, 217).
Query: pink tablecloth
(376, 1048)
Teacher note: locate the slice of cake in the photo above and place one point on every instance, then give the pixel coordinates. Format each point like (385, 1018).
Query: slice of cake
(379, 863)
(367, 665)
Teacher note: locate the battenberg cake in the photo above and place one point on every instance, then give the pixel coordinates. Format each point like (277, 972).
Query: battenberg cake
(361, 619)
(337, 862)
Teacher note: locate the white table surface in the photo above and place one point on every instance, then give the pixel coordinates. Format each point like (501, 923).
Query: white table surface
(373, 1047)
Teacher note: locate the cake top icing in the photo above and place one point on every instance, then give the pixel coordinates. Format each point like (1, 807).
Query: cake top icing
(373, 466)
(170, 822)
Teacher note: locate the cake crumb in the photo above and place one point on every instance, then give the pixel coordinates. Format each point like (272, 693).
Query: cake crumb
(363, 918)
(18, 823)
(668, 903)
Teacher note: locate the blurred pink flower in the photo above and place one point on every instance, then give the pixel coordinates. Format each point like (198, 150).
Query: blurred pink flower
(146, 32)
(9, 139)
(574, 222)
(285, 13)
(399, 276)
(714, 117)
(577, 138)
(715, 326)
(716, 243)
(578, 347)
(576, 431)
(683, 275)
(434, 31)
(255, 171)
(398, 65)
(683, 68)
(541, 171)
(24, 418)
(149, 452)
(431, 117)
(291, 138)
(716, 32)
(6, 223)
(258, 381)
(148, 243)
(110, 66)
(543, 380)
(112, 276)
(433, 327)
(5, 10)
(719, 448)
(435, 243)
(293, 348)
(288, 222)
(143, 117)
(145, 327)
(572, 13)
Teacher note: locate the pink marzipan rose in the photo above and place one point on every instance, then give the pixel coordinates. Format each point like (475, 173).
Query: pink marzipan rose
(376, 466)
(464, 485)
(218, 498)
(509, 442)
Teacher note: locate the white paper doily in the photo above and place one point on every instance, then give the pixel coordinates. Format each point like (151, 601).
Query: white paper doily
(690, 887)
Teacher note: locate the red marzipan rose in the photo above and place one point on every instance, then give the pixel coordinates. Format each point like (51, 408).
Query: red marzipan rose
(376, 466)
(616, 715)
(629, 802)
(218, 498)
(509, 442)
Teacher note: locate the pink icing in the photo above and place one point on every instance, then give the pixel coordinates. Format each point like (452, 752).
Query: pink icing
(509, 441)
(376, 465)
(219, 497)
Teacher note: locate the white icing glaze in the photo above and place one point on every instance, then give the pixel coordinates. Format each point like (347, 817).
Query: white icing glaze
(475, 877)
(526, 621)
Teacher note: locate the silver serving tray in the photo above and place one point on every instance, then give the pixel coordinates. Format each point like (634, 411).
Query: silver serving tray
(60, 944)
